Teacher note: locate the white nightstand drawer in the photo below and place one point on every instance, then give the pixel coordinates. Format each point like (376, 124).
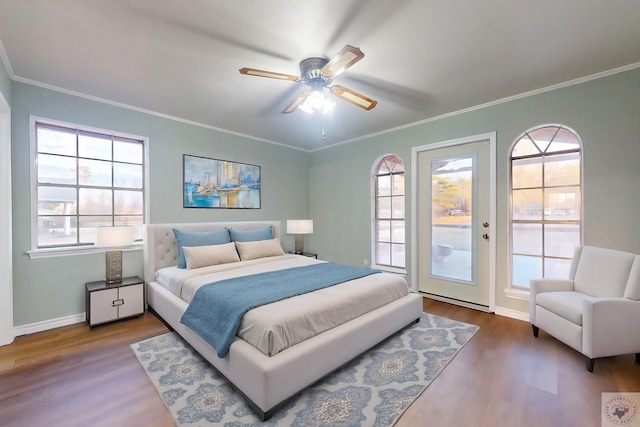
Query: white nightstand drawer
(133, 300)
(101, 306)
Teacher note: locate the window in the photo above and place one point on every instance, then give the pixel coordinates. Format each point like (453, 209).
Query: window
(389, 224)
(85, 179)
(546, 203)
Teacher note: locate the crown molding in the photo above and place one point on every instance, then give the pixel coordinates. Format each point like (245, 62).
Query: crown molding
(493, 103)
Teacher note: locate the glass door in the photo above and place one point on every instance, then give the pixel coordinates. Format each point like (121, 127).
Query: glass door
(454, 223)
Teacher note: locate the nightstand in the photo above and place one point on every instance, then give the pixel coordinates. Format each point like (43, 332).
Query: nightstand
(309, 254)
(109, 302)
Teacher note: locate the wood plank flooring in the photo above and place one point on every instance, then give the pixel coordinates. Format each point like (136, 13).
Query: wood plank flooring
(74, 376)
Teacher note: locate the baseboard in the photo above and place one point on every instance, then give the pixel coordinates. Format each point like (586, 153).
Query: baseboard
(44, 325)
(500, 311)
(32, 328)
(454, 301)
(514, 314)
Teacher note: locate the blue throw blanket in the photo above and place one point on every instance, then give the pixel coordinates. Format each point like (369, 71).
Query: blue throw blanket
(217, 308)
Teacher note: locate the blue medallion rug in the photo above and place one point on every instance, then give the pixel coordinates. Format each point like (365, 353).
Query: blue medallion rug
(372, 390)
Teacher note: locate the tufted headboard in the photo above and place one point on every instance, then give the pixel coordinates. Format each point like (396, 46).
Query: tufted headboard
(161, 249)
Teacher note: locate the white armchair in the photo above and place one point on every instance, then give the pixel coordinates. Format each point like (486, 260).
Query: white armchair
(596, 311)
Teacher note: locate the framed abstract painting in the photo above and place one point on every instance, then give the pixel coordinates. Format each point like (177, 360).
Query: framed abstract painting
(212, 183)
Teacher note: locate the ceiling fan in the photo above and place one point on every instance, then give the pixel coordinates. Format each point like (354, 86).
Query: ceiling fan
(319, 73)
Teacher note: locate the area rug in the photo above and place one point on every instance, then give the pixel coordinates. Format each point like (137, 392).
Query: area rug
(372, 390)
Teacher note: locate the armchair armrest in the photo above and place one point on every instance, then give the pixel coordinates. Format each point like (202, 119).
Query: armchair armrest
(610, 327)
(537, 286)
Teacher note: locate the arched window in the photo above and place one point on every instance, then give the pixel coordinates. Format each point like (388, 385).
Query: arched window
(546, 203)
(388, 212)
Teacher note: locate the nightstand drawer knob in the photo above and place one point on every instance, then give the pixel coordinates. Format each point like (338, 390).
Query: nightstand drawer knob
(117, 302)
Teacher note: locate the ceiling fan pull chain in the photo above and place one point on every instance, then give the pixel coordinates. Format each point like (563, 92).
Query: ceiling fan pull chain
(324, 135)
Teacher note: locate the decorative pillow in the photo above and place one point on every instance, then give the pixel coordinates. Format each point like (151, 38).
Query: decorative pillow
(259, 249)
(190, 238)
(250, 235)
(202, 256)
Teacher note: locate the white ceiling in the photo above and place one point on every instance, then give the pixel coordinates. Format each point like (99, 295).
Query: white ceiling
(423, 58)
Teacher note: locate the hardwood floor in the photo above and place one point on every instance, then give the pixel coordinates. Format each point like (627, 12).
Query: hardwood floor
(74, 376)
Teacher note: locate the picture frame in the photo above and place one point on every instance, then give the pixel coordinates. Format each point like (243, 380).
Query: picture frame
(220, 184)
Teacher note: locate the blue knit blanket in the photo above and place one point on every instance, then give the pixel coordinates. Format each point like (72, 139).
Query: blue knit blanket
(217, 308)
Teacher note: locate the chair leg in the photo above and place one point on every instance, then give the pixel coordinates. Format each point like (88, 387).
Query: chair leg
(535, 330)
(590, 363)
(637, 357)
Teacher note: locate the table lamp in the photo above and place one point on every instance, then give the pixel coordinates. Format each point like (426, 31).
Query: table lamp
(113, 237)
(299, 227)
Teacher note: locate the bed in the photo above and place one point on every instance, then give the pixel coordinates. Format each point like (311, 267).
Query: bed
(269, 376)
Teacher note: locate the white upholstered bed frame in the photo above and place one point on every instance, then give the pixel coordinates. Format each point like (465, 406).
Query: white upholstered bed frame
(267, 382)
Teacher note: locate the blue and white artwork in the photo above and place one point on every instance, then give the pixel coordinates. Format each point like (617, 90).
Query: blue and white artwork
(212, 183)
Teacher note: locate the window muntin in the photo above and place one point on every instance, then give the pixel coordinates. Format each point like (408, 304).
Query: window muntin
(84, 180)
(546, 203)
(389, 213)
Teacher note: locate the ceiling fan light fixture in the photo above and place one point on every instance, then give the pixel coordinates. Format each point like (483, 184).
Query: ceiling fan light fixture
(328, 106)
(306, 108)
(317, 101)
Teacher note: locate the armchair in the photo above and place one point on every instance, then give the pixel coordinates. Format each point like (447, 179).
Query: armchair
(596, 311)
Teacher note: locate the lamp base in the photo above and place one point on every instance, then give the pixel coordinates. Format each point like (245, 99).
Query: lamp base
(299, 248)
(113, 269)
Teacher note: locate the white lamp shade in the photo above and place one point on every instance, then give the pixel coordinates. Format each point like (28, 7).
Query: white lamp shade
(299, 226)
(114, 236)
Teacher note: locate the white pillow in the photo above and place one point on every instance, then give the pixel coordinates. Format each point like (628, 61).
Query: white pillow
(202, 256)
(259, 249)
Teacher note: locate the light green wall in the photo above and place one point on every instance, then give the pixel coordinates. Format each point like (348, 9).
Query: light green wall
(52, 288)
(605, 113)
(331, 186)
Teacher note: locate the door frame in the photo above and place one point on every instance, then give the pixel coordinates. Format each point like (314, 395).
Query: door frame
(415, 151)
(6, 264)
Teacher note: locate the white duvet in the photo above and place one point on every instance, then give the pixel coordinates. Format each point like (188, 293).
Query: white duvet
(274, 327)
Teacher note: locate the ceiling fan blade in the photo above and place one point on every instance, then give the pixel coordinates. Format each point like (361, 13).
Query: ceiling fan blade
(348, 56)
(270, 74)
(299, 100)
(353, 97)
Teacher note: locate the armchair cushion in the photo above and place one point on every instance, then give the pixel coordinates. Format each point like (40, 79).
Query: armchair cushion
(537, 286)
(565, 304)
(603, 272)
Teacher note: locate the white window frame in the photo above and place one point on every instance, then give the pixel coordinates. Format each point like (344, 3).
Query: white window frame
(374, 196)
(518, 292)
(35, 252)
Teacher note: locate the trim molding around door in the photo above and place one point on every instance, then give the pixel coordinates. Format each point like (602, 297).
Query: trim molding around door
(491, 137)
(6, 248)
